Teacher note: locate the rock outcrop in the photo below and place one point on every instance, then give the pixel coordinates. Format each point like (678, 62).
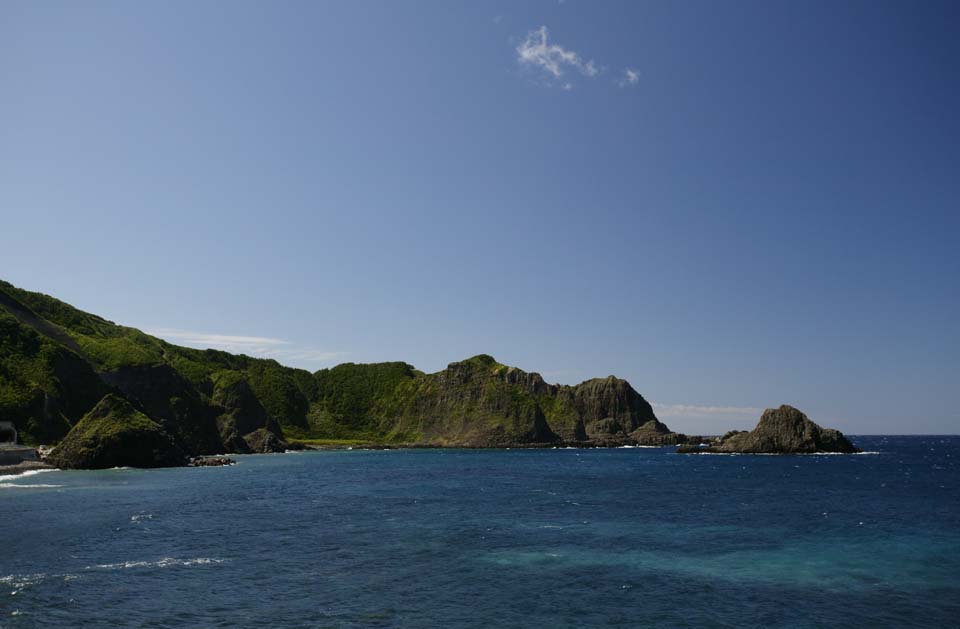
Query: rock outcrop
(115, 434)
(783, 430)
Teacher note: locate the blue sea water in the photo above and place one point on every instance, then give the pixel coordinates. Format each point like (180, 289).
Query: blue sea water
(479, 538)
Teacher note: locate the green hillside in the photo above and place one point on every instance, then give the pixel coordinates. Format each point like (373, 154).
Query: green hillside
(58, 362)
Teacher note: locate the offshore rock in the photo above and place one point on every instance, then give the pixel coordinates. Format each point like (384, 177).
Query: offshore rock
(783, 430)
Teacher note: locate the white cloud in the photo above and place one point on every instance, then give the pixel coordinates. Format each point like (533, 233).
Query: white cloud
(696, 410)
(703, 419)
(631, 76)
(259, 346)
(535, 51)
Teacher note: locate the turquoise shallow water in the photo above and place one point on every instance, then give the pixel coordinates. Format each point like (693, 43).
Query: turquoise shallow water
(462, 538)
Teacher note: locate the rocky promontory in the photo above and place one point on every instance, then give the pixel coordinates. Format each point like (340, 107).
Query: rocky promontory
(783, 430)
(115, 434)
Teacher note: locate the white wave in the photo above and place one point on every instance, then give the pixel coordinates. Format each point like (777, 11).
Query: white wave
(17, 486)
(19, 581)
(9, 477)
(166, 562)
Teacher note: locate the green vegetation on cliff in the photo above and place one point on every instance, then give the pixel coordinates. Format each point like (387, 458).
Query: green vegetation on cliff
(57, 362)
(44, 386)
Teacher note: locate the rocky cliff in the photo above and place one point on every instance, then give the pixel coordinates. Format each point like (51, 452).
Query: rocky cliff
(58, 362)
(783, 430)
(480, 402)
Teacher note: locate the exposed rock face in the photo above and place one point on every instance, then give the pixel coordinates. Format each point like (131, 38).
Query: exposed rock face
(783, 430)
(610, 406)
(244, 420)
(479, 402)
(476, 402)
(114, 434)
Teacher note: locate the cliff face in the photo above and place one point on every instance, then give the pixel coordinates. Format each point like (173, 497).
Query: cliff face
(475, 402)
(58, 362)
(480, 402)
(783, 430)
(610, 406)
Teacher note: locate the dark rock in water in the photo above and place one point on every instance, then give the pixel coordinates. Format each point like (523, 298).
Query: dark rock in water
(783, 430)
(211, 461)
(114, 434)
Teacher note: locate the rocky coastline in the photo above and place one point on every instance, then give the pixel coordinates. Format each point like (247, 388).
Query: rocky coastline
(111, 396)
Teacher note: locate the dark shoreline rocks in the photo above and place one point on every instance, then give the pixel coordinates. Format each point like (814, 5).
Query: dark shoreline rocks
(25, 466)
(211, 461)
(783, 430)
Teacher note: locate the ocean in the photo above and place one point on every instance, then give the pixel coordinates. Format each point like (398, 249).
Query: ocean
(483, 538)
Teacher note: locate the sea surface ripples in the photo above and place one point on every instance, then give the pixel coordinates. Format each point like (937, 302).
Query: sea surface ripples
(467, 538)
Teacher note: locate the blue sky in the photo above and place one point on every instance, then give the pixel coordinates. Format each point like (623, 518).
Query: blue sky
(732, 205)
